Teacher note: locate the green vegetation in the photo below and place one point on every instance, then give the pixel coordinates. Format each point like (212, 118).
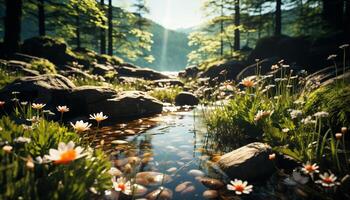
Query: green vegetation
(6, 77)
(43, 66)
(27, 171)
(276, 109)
(166, 94)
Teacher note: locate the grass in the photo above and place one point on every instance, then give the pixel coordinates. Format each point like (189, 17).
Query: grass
(166, 94)
(24, 176)
(277, 110)
(7, 77)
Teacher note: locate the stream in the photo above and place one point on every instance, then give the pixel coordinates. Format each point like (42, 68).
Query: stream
(175, 155)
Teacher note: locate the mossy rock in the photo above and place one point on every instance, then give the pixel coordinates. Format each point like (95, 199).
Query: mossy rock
(53, 49)
(334, 99)
(43, 66)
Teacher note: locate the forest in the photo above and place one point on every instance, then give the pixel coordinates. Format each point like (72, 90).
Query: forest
(100, 100)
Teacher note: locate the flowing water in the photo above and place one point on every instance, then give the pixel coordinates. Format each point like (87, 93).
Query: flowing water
(176, 155)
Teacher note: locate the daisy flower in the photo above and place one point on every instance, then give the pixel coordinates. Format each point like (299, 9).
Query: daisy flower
(98, 117)
(62, 109)
(321, 114)
(7, 148)
(240, 187)
(122, 185)
(248, 82)
(309, 168)
(65, 153)
(38, 106)
(81, 126)
(328, 180)
(262, 114)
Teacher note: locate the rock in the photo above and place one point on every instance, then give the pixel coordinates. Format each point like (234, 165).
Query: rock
(283, 47)
(190, 72)
(55, 90)
(212, 183)
(190, 189)
(160, 194)
(150, 178)
(137, 72)
(232, 68)
(18, 67)
(49, 89)
(196, 173)
(186, 98)
(249, 162)
(75, 72)
(210, 194)
(103, 70)
(125, 105)
(54, 50)
(182, 186)
(168, 82)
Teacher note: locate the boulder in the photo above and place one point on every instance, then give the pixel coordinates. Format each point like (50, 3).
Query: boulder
(75, 72)
(168, 82)
(189, 72)
(42, 88)
(55, 50)
(20, 67)
(106, 71)
(186, 98)
(250, 162)
(232, 68)
(128, 104)
(136, 72)
(55, 90)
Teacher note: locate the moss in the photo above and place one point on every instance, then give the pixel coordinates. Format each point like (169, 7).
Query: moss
(43, 66)
(334, 99)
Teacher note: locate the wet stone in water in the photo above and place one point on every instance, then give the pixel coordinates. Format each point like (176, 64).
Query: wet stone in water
(210, 194)
(182, 186)
(160, 194)
(212, 183)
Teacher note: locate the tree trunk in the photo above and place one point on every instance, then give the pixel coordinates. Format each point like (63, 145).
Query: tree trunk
(222, 30)
(78, 31)
(260, 22)
(41, 17)
(237, 44)
(332, 13)
(103, 33)
(347, 18)
(110, 28)
(12, 35)
(278, 18)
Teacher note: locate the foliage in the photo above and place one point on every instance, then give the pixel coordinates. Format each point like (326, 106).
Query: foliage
(166, 94)
(43, 66)
(334, 99)
(7, 77)
(80, 179)
(274, 110)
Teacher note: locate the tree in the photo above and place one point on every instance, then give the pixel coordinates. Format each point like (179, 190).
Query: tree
(278, 18)
(237, 45)
(110, 28)
(41, 17)
(84, 15)
(131, 42)
(12, 35)
(102, 32)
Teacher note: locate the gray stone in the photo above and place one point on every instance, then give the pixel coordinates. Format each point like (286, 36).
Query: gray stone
(249, 162)
(186, 98)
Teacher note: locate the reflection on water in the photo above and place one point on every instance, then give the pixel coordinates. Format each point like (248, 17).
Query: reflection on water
(175, 160)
